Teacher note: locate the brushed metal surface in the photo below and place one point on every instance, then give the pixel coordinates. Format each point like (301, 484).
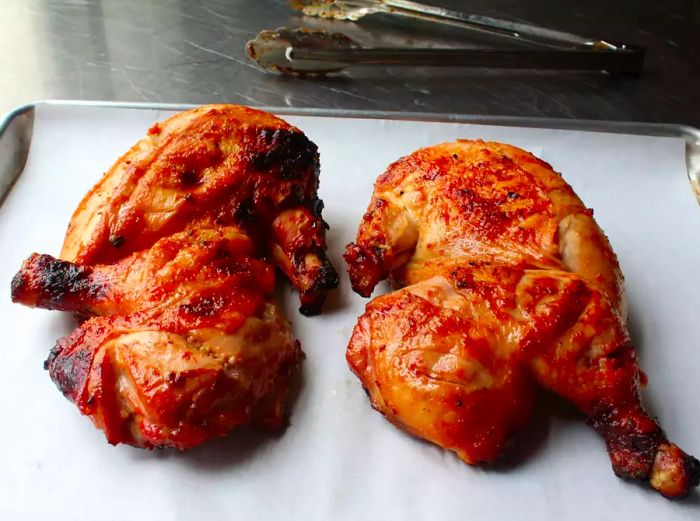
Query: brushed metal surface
(191, 51)
(15, 140)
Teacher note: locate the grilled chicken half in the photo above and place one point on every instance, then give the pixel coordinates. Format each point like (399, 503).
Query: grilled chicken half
(170, 263)
(504, 282)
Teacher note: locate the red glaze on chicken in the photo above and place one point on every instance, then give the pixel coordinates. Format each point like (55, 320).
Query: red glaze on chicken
(216, 165)
(170, 260)
(505, 282)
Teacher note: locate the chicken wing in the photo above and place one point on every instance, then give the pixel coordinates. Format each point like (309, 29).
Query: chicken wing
(506, 282)
(170, 262)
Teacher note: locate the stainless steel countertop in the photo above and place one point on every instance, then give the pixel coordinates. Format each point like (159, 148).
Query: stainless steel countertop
(191, 51)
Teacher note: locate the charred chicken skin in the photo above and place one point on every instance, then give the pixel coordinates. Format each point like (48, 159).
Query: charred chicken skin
(505, 282)
(170, 262)
(216, 165)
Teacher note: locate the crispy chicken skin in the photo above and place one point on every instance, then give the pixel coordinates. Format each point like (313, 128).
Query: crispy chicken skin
(216, 165)
(181, 344)
(170, 262)
(504, 282)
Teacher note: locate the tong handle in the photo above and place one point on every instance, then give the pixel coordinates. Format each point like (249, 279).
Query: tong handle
(626, 61)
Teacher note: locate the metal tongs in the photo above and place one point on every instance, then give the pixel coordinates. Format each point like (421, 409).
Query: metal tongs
(302, 51)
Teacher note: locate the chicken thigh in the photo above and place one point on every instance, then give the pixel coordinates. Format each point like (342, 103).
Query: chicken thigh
(182, 343)
(505, 283)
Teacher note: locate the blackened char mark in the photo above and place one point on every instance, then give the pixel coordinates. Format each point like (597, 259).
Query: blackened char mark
(69, 368)
(244, 213)
(633, 439)
(321, 278)
(324, 277)
(287, 153)
(189, 178)
(316, 207)
(311, 303)
(50, 283)
(692, 470)
(116, 240)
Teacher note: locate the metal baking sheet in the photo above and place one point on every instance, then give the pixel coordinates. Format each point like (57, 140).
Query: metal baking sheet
(338, 459)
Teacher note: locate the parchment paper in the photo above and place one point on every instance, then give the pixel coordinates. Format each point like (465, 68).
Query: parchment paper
(339, 459)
